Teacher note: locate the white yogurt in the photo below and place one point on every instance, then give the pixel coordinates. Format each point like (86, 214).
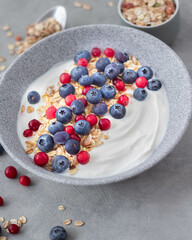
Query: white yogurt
(131, 139)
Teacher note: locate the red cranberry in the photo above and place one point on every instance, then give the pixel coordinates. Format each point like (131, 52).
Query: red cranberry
(128, 5)
(79, 117)
(83, 157)
(69, 129)
(109, 52)
(86, 89)
(82, 62)
(84, 101)
(65, 78)
(51, 111)
(24, 180)
(120, 85)
(13, 229)
(104, 124)
(28, 133)
(11, 172)
(69, 99)
(41, 158)
(116, 80)
(96, 52)
(141, 82)
(92, 119)
(123, 100)
(34, 124)
(1, 201)
(76, 137)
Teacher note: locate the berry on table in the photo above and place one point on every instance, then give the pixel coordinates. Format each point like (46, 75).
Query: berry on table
(82, 62)
(112, 71)
(33, 97)
(66, 89)
(83, 157)
(78, 72)
(154, 85)
(129, 76)
(94, 96)
(141, 82)
(75, 137)
(69, 99)
(1, 149)
(1, 201)
(51, 111)
(41, 158)
(104, 124)
(117, 111)
(82, 54)
(61, 138)
(63, 114)
(84, 101)
(65, 78)
(100, 109)
(28, 133)
(60, 163)
(146, 72)
(72, 146)
(86, 89)
(24, 180)
(109, 52)
(34, 124)
(122, 57)
(10, 172)
(58, 233)
(102, 63)
(99, 79)
(96, 52)
(55, 127)
(69, 129)
(123, 100)
(13, 228)
(79, 117)
(140, 94)
(82, 127)
(85, 80)
(120, 85)
(108, 91)
(77, 107)
(45, 143)
(92, 119)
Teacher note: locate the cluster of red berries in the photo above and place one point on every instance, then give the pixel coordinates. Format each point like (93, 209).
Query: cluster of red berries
(33, 127)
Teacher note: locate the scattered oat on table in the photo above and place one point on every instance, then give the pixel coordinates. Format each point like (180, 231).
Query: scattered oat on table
(2, 219)
(6, 28)
(79, 223)
(78, 4)
(2, 59)
(9, 34)
(2, 67)
(6, 224)
(12, 52)
(87, 7)
(23, 219)
(111, 4)
(61, 208)
(10, 46)
(3, 238)
(67, 222)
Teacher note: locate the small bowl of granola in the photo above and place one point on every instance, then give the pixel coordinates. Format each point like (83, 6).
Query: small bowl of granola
(157, 17)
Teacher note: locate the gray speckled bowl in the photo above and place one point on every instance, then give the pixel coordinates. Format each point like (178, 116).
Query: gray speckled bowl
(62, 46)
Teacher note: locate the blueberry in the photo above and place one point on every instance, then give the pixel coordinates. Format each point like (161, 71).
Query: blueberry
(117, 111)
(129, 76)
(57, 233)
(60, 163)
(100, 109)
(61, 137)
(78, 72)
(108, 91)
(99, 79)
(1, 149)
(82, 54)
(120, 65)
(63, 114)
(140, 94)
(33, 97)
(72, 146)
(112, 71)
(82, 127)
(77, 107)
(45, 143)
(86, 80)
(94, 96)
(122, 57)
(146, 72)
(66, 89)
(154, 85)
(55, 127)
(102, 63)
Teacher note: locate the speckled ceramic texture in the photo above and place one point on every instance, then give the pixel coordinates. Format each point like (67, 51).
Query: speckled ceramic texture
(167, 31)
(62, 46)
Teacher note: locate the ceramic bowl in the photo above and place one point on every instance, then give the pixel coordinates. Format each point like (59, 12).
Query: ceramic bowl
(167, 31)
(63, 46)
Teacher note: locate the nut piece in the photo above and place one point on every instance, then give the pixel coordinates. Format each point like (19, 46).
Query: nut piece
(23, 219)
(67, 222)
(30, 109)
(2, 67)
(2, 59)
(61, 208)
(79, 223)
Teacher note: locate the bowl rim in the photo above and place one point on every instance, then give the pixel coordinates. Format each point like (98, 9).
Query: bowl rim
(148, 27)
(117, 177)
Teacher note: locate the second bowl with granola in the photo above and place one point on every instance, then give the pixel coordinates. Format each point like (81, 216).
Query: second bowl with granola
(157, 17)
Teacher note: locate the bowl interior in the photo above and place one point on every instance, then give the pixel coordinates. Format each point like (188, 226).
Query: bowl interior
(62, 46)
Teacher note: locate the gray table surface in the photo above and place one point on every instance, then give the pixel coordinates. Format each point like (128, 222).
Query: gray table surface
(155, 205)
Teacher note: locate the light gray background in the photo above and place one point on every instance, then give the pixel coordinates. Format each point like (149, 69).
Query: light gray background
(153, 206)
